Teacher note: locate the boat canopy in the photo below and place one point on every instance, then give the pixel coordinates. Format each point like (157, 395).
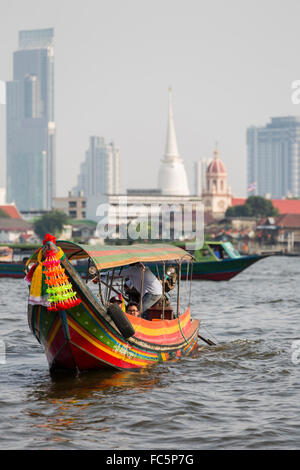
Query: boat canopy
(105, 256)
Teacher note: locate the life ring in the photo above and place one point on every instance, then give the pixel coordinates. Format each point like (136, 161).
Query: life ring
(123, 324)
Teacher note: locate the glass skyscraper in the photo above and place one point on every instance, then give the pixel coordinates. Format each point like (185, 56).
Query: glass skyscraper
(30, 122)
(274, 158)
(100, 171)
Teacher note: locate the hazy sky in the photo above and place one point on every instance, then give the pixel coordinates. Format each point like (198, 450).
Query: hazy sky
(230, 64)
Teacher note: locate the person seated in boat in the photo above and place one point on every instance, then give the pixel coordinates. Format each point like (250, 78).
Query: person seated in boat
(218, 253)
(170, 278)
(133, 309)
(152, 288)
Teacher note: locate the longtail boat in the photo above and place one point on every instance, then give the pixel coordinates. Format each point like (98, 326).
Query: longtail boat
(12, 269)
(218, 261)
(13, 260)
(221, 261)
(6, 253)
(80, 330)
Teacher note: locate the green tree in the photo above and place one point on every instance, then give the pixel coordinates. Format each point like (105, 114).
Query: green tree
(4, 214)
(52, 222)
(255, 206)
(238, 211)
(261, 207)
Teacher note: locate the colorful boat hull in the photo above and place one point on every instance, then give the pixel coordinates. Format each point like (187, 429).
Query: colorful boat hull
(12, 269)
(221, 270)
(84, 337)
(215, 261)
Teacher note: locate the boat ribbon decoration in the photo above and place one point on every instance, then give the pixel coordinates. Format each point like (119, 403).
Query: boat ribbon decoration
(122, 306)
(49, 284)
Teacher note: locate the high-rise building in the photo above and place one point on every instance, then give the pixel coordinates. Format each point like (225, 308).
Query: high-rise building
(200, 167)
(172, 178)
(30, 122)
(100, 171)
(274, 158)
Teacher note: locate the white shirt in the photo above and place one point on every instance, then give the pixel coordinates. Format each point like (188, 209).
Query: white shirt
(151, 283)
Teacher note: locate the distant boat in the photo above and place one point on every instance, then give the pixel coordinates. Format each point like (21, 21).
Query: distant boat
(14, 269)
(217, 261)
(13, 261)
(6, 253)
(220, 261)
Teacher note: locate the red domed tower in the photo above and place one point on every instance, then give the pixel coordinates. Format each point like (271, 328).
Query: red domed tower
(217, 196)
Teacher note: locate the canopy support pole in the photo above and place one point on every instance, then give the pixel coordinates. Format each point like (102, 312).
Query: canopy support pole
(189, 303)
(100, 289)
(142, 288)
(88, 269)
(178, 288)
(163, 286)
(110, 285)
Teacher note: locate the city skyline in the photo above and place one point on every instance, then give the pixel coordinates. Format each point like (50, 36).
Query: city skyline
(112, 73)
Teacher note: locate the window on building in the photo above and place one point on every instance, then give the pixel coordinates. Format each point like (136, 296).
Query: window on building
(73, 214)
(72, 203)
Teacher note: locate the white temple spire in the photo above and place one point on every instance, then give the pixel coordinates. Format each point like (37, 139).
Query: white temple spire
(171, 143)
(172, 179)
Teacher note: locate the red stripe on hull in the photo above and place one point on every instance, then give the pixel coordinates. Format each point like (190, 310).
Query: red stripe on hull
(14, 276)
(57, 342)
(64, 359)
(85, 361)
(216, 276)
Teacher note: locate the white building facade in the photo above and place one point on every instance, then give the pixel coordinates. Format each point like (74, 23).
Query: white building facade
(155, 213)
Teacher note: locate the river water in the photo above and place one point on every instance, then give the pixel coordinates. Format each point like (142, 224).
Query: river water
(241, 394)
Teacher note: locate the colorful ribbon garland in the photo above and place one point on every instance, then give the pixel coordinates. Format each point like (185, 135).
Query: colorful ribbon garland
(49, 284)
(60, 290)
